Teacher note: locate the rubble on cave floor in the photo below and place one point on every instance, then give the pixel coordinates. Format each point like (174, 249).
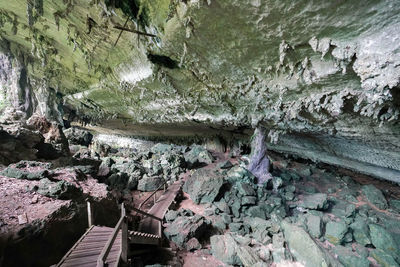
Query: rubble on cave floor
(307, 215)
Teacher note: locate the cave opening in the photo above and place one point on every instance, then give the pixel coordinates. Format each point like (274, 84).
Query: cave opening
(199, 133)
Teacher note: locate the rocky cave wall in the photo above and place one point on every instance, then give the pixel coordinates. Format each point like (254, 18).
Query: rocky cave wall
(324, 78)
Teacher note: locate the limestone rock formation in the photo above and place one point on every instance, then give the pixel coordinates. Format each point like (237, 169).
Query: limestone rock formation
(324, 90)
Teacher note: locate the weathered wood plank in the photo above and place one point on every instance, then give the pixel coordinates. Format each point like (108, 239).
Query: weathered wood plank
(74, 246)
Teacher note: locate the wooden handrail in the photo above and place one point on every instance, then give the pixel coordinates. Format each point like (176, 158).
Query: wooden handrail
(101, 260)
(122, 224)
(155, 192)
(147, 214)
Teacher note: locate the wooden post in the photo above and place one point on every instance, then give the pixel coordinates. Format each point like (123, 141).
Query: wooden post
(160, 233)
(123, 211)
(154, 196)
(124, 241)
(90, 214)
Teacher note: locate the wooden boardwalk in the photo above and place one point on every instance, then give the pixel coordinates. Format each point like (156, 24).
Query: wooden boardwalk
(106, 246)
(86, 251)
(151, 225)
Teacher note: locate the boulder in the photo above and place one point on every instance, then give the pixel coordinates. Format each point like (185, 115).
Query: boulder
(374, 196)
(161, 148)
(133, 181)
(147, 184)
(248, 256)
(247, 200)
(105, 167)
(383, 240)
(279, 252)
(203, 186)
(317, 201)
(184, 228)
(349, 259)
(225, 249)
(193, 244)
(314, 225)
(171, 215)
(361, 232)
(277, 183)
(78, 136)
(383, 258)
(246, 189)
(220, 222)
(52, 132)
(303, 247)
(395, 204)
(118, 180)
(335, 231)
(262, 236)
(198, 156)
(241, 175)
(223, 206)
(255, 211)
(59, 190)
(24, 174)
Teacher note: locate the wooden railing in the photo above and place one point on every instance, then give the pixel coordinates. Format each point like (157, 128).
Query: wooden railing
(123, 254)
(147, 214)
(154, 194)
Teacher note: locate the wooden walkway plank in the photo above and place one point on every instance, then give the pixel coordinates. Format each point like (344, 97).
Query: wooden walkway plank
(86, 251)
(151, 226)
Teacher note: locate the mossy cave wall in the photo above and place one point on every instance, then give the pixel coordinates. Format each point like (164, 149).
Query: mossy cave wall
(322, 77)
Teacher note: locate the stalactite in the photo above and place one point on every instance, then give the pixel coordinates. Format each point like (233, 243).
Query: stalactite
(29, 13)
(57, 19)
(38, 4)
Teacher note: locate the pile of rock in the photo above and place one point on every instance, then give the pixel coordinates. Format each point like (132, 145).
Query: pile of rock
(48, 186)
(287, 219)
(184, 228)
(147, 170)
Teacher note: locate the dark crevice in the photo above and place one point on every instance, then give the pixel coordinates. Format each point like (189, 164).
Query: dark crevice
(348, 105)
(163, 61)
(131, 9)
(395, 92)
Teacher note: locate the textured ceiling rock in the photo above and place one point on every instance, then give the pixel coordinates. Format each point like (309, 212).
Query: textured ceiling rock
(323, 77)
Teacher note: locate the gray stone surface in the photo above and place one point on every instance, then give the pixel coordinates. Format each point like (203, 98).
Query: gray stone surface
(78, 136)
(198, 155)
(335, 231)
(317, 201)
(303, 248)
(361, 232)
(382, 239)
(349, 259)
(203, 185)
(151, 183)
(59, 190)
(225, 249)
(374, 196)
(383, 258)
(184, 228)
(314, 225)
